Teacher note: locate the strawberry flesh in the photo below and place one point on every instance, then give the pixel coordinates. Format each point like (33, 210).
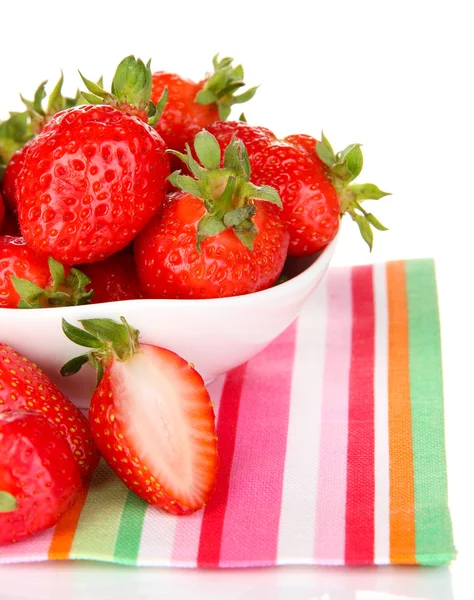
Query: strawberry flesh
(153, 422)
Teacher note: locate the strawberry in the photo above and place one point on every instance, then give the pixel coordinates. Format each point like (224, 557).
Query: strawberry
(220, 236)
(96, 174)
(113, 279)
(151, 416)
(23, 386)
(314, 183)
(193, 106)
(39, 479)
(28, 280)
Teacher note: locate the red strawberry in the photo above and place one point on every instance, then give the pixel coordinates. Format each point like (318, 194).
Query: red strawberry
(39, 479)
(28, 280)
(193, 106)
(313, 183)
(114, 279)
(221, 236)
(151, 416)
(95, 175)
(311, 206)
(23, 386)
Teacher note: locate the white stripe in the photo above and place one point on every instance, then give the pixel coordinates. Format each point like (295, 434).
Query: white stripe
(159, 528)
(296, 543)
(382, 466)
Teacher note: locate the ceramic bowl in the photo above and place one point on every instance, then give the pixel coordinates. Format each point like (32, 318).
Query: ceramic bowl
(216, 335)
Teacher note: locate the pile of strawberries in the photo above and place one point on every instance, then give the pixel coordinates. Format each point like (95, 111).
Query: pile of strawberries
(143, 191)
(87, 185)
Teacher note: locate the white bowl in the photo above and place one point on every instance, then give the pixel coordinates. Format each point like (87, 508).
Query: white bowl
(216, 335)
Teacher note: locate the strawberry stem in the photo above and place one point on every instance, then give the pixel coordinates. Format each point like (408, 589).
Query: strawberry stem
(64, 291)
(108, 339)
(343, 168)
(131, 90)
(219, 88)
(226, 192)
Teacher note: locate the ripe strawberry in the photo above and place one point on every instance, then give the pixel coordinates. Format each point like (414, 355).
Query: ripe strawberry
(220, 236)
(23, 386)
(151, 416)
(313, 183)
(113, 279)
(193, 106)
(28, 280)
(96, 174)
(39, 478)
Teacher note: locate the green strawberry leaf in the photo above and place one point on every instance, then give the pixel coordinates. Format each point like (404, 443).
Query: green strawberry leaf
(208, 226)
(205, 97)
(364, 228)
(74, 365)
(375, 222)
(207, 149)
(80, 337)
(58, 274)
(245, 96)
(235, 217)
(367, 191)
(268, 193)
(325, 152)
(186, 183)
(353, 160)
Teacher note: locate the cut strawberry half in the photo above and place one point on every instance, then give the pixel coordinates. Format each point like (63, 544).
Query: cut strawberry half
(151, 416)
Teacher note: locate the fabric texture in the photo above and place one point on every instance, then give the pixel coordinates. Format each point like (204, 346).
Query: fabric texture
(331, 446)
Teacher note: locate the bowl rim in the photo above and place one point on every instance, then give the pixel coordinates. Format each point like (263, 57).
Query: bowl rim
(275, 292)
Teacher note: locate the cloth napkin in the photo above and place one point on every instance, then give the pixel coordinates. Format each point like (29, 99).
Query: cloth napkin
(331, 446)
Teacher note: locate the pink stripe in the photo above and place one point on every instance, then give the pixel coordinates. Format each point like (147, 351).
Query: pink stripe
(331, 501)
(32, 549)
(250, 534)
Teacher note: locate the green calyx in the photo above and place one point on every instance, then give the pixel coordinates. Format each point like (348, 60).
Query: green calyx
(344, 167)
(220, 87)
(22, 126)
(130, 92)
(63, 291)
(7, 502)
(227, 192)
(108, 340)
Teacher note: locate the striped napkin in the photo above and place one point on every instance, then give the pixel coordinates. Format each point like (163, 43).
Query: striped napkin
(331, 445)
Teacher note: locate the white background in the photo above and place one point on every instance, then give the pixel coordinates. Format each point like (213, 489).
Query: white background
(394, 76)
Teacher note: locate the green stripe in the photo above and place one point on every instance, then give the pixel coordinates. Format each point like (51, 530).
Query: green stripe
(130, 532)
(434, 540)
(100, 518)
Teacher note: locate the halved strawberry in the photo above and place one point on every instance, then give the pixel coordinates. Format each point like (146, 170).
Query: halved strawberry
(151, 416)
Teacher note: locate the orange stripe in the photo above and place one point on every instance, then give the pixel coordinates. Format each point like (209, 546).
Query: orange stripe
(402, 495)
(65, 530)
